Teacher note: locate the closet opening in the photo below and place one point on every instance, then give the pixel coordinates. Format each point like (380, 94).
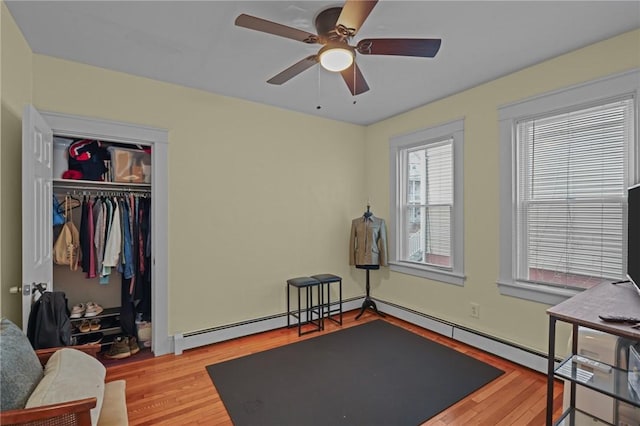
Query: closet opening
(104, 188)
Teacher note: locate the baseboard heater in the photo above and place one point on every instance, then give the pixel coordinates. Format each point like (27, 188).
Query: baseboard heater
(526, 357)
(183, 342)
(509, 351)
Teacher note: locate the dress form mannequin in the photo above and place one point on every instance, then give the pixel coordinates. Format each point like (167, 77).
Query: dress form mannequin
(368, 302)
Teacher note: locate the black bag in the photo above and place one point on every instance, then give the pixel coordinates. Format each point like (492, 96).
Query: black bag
(49, 324)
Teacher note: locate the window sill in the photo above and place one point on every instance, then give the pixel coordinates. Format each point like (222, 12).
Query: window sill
(536, 292)
(449, 277)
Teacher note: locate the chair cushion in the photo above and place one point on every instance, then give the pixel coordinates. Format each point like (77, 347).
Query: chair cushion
(327, 278)
(302, 281)
(70, 375)
(114, 411)
(20, 369)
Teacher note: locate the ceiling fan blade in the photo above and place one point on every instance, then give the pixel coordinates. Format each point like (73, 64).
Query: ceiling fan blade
(353, 15)
(355, 80)
(294, 70)
(259, 24)
(422, 47)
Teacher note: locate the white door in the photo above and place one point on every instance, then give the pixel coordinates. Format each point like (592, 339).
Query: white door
(37, 228)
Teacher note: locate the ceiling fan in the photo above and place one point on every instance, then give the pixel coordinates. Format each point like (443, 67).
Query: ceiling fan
(336, 26)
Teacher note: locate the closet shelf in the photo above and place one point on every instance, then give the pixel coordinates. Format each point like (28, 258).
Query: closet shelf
(110, 315)
(107, 312)
(99, 185)
(107, 330)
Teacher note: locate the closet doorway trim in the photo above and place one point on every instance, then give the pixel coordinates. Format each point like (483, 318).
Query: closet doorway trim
(93, 128)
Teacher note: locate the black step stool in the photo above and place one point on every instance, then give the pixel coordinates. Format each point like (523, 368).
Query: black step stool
(327, 309)
(311, 308)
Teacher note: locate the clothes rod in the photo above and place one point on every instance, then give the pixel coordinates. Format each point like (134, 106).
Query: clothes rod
(103, 189)
(102, 193)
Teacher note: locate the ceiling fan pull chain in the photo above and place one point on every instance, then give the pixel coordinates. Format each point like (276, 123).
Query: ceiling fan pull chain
(318, 106)
(355, 82)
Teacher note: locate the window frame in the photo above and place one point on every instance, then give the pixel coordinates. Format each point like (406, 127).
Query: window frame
(571, 98)
(397, 146)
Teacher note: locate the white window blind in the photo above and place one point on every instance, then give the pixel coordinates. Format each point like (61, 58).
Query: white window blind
(571, 195)
(428, 204)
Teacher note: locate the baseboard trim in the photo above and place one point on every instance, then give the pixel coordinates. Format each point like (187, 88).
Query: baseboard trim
(183, 342)
(534, 360)
(522, 356)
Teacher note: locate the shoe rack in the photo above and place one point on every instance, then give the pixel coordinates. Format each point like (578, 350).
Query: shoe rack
(109, 320)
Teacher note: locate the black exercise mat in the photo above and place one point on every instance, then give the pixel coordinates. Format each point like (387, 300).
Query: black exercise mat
(371, 374)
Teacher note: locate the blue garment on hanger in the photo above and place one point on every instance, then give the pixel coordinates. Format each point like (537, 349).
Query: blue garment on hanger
(126, 267)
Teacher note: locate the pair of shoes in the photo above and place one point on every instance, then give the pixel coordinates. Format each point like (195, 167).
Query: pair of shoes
(123, 347)
(89, 325)
(119, 348)
(85, 326)
(89, 339)
(93, 309)
(90, 309)
(78, 310)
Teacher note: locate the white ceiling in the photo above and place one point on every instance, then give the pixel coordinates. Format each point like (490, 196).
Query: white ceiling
(196, 44)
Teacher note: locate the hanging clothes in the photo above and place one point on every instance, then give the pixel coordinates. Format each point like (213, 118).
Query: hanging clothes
(87, 226)
(132, 204)
(116, 233)
(100, 235)
(98, 229)
(108, 219)
(144, 306)
(114, 239)
(92, 255)
(126, 267)
(84, 236)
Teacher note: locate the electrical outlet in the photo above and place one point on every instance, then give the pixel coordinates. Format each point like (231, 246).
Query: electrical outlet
(475, 310)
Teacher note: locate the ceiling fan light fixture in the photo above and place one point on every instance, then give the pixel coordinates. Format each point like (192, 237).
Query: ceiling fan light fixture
(336, 58)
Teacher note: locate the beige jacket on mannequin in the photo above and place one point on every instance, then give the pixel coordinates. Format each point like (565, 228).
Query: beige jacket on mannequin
(368, 242)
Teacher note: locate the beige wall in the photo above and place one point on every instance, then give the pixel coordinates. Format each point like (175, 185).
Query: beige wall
(15, 83)
(256, 195)
(508, 318)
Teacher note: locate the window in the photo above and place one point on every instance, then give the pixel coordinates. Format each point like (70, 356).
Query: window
(426, 195)
(570, 171)
(571, 193)
(427, 226)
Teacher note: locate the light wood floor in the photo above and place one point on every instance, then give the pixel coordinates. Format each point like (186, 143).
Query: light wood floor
(176, 390)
